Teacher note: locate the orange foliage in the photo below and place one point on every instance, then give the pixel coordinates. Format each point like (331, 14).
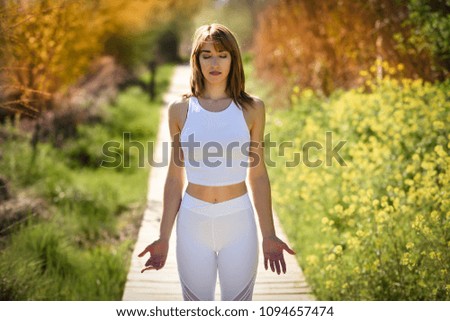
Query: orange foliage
(125, 16)
(324, 44)
(47, 45)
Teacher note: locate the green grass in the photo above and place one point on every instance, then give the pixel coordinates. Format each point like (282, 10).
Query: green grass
(43, 263)
(79, 247)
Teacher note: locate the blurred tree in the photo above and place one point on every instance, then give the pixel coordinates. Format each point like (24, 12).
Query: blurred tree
(47, 45)
(325, 44)
(428, 23)
(139, 28)
(240, 16)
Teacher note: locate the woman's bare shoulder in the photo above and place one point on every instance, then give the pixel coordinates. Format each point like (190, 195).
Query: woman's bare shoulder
(178, 103)
(257, 107)
(258, 102)
(177, 108)
(255, 113)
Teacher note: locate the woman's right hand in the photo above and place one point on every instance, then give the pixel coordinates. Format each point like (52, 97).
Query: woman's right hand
(158, 255)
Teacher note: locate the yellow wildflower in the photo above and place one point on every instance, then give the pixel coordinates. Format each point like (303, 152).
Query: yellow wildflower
(434, 216)
(338, 208)
(440, 151)
(405, 259)
(312, 259)
(337, 250)
(329, 284)
(438, 125)
(331, 257)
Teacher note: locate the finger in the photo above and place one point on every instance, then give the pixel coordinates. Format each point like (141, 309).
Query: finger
(147, 249)
(272, 265)
(283, 265)
(277, 265)
(288, 249)
(266, 261)
(148, 268)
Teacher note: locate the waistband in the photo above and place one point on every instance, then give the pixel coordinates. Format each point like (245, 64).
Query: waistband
(197, 205)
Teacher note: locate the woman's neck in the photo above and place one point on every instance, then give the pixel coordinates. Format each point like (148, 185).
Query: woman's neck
(215, 92)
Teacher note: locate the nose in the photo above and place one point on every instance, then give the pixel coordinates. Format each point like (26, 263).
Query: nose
(214, 61)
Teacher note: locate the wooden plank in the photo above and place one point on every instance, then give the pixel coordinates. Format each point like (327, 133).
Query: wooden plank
(134, 296)
(284, 297)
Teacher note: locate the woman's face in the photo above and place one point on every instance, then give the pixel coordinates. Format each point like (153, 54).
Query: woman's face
(215, 65)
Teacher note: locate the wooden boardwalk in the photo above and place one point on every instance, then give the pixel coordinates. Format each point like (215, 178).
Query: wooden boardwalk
(164, 284)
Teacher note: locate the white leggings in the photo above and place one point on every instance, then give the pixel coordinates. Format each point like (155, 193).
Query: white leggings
(217, 237)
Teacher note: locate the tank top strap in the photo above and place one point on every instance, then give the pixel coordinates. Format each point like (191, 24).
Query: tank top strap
(190, 104)
(193, 106)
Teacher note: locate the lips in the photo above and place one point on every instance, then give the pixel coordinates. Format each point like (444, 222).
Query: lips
(214, 73)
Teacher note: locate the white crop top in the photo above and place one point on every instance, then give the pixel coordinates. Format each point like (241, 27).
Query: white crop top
(215, 145)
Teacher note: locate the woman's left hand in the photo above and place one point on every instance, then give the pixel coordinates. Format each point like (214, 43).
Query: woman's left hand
(273, 253)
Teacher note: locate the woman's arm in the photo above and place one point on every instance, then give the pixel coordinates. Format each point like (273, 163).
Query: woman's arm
(258, 177)
(259, 182)
(173, 189)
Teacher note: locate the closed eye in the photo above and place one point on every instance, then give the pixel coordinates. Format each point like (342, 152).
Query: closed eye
(207, 57)
(223, 56)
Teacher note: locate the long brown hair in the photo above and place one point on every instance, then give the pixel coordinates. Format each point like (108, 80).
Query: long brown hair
(223, 39)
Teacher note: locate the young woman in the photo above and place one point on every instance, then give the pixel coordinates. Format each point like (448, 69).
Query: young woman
(217, 133)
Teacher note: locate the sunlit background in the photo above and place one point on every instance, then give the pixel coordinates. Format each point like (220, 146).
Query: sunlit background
(76, 74)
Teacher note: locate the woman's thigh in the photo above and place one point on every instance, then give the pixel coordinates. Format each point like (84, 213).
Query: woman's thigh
(197, 261)
(238, 261)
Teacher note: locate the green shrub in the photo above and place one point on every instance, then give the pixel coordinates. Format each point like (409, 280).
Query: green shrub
(86, 149)
(132, 113)
(377, 228)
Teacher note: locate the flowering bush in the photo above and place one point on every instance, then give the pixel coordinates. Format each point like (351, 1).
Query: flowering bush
(377, 226)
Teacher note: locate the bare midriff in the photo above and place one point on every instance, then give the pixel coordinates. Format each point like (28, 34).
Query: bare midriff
(216, 194)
